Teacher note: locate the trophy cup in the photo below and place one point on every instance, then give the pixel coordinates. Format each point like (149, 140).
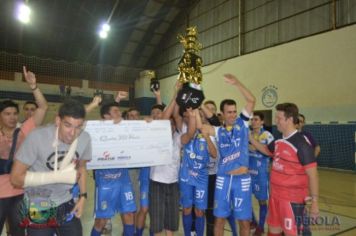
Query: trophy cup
(191, 94)
(151, 75)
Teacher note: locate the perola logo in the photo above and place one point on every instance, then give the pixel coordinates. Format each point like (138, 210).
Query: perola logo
(269, 96)
(106, 157)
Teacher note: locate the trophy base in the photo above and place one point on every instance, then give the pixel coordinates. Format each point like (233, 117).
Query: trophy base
(191, 95)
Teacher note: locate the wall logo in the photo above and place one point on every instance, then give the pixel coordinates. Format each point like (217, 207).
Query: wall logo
(269, 96)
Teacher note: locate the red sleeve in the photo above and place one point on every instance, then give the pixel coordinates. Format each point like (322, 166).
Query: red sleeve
(28, 126)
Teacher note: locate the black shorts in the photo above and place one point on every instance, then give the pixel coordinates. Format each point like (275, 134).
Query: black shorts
(164, 206)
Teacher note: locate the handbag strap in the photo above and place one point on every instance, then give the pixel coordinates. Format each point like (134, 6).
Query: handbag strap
(13, 145)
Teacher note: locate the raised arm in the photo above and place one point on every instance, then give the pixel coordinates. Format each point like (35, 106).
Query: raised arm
(169, 111)
(94, 103)
(211, 147)
(199, 123)
(177, 118)
(186, 137)
(249, 97)
(157, 94)
(41, 102)
(207, 113)
(121, 95)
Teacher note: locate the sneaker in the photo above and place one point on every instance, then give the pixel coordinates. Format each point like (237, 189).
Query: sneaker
(258, 232)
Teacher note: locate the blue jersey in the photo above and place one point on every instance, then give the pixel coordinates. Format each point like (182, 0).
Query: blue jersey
(111, 176)
(233, 146)
(259, 162)
(194, 167)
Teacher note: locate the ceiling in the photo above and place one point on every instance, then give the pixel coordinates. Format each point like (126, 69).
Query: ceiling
(67, 29)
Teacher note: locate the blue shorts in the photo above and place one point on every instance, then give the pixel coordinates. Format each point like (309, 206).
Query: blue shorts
(193, 195)
(233, 193)
(260, 186)
(112, 198)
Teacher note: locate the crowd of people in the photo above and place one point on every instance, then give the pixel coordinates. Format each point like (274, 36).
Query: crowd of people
(218, 164)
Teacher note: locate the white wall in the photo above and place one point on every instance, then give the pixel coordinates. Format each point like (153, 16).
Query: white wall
(317, 73)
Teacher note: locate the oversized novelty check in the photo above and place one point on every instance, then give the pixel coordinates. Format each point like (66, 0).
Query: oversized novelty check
(129, 143)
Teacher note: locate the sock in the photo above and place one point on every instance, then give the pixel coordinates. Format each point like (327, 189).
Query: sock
(139, 231)
(187, 224)
(151, 233)
(129, 230)
(263, 213)
(232, 222)
(199, 225)
(94, 232)
(254, 217)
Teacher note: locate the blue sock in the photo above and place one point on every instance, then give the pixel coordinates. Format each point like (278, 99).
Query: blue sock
(129, 230)
(151, 233)
(199, 225)
(263, 213)
(139, 231)
(232, 223)
(253, 217)
(94, 232)
(187, 224)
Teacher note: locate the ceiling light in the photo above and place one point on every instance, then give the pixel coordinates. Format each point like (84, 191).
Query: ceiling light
(103, 34)
(105, 28)
(23, 13)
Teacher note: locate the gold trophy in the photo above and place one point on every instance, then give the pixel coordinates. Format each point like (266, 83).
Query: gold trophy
(189, 66)
(151, 74)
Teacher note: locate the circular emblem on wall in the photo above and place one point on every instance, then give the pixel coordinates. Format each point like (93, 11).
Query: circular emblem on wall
(269, 96)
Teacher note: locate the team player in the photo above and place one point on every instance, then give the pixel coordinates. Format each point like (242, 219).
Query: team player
(194, 174)
(233, 183)
(209, 111)
(294, 176)
(114, 191)
(140, 178)
(259, 165)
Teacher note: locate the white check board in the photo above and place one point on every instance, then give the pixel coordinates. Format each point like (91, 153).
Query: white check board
(129, 143)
